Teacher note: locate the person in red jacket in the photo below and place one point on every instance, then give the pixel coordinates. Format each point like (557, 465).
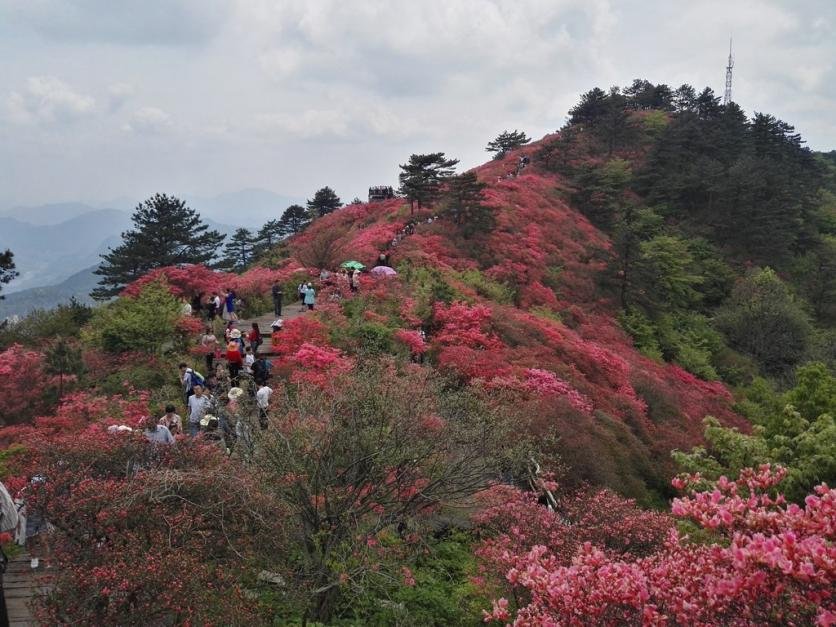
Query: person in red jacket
(235, 361)
(254, 338)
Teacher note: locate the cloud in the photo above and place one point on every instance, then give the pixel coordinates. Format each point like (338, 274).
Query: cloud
(47, 99)
(149, 121)
(150, 22)
(118, 94)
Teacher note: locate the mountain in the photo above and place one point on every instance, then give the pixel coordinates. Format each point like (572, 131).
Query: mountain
(77, 286)
(248, 207)
(50, 214)
(49, 253)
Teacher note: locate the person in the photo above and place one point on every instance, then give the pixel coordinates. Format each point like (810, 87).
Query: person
(216, 302)
(278, 294)
(157, 433)
(310, 296)
(229, 306)
(261, 370)
(235, 336)
(185, 307)
(254, 337)
(301, 290)
(210, 307)
(234, 361)
(209, 344)
(262, 399)
(249, 360)
(230, 327)
(197, 304)
(277, 325)
(190, 379)
(171, 420)
(198, 406)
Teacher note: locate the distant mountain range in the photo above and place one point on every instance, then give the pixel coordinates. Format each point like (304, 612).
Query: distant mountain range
(57, 246)
(78, 286)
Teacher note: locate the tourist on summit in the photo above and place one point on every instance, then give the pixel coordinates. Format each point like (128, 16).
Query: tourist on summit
(209, 344)
(198, 406)
(310, 296)
(254, 338)
(157, 433)
(171, 420)
(278, 294)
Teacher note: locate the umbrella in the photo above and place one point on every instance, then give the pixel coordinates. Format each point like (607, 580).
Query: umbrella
(383, 271)
(352, 265)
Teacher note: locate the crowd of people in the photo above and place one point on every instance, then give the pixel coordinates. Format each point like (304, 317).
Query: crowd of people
(214, 305)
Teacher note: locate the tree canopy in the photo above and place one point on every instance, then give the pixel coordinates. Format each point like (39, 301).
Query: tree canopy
(7, 268)
(421, 177)
(239, 250)
(166, 233)
(505, 141)
(325, 201)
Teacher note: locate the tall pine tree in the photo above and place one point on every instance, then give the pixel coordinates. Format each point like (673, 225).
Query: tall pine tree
(325, 201)
(294, 220)
(422, 176)
(505, 141)
(268, 236)
(463, 203)
(166, 232)
(239, 250)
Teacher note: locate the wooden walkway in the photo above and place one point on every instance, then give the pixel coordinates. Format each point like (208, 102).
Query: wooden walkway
(264, 321)
(20, 586)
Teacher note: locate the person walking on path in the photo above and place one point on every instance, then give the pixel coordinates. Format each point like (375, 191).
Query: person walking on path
(198, 406)
(157, 433)
(209, 344)
(310, 296)
(262, 399)
(190, 379)
(229, 306)
(171, 420)
(234, 361)
(254, 338)
(278, 294)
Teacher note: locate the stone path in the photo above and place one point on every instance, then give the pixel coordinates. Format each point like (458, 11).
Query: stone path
(264, 321)
(20, 586)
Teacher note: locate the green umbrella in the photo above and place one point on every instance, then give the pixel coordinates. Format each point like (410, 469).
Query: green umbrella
(352, 265)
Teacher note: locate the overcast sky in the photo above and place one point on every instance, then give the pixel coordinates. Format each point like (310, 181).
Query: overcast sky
(103, 99)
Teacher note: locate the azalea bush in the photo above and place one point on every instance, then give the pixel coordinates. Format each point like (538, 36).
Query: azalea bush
(26, 386)
(765, 562)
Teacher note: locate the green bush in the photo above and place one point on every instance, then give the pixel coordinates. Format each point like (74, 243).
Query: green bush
(643, 332)
(146, 323)
(487, 288)
(65, 320)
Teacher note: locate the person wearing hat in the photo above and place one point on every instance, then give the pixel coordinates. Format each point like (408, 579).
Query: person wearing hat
(235, 336)
(234, 359)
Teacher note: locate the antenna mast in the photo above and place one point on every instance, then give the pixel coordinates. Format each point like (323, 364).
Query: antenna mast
(727, 96)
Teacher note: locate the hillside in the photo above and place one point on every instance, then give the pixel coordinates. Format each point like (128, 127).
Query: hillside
(494, 430)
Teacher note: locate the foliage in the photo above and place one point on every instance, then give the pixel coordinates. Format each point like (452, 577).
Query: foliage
(368, 456)
(27, 387)
(65, 320)
(763, 319)
(166, 233)
(462, 202)
(294, 220)
(507, 141)
(796, 429)
(142, 323)
(769, 562)
(239, 250)
(325, 201)
(7, 267)
(422, 176)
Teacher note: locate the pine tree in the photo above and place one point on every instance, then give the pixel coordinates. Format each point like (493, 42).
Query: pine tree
(324, 202)
(63, 359)
(166, 232)
(505, 141)
(239, 250)
(268, 236)
(422, 176)
(7, 268)
(294, 220)
(463, 203)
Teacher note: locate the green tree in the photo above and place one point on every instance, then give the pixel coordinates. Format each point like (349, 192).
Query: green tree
(239, 250)
(463, 202)
(421, 178)
(325, 201)
(7, 268)
(294, 220)
(507, 141)
(268, 235)
(166, 232)
(665, 274)
(63, 358)
(763, 319)
(146, 323)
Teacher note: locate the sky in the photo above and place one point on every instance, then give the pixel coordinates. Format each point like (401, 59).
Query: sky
(109, 99)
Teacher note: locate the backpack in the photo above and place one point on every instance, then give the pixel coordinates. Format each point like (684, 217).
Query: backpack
(198, 379)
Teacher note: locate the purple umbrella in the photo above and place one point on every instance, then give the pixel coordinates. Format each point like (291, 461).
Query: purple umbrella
(382, 271)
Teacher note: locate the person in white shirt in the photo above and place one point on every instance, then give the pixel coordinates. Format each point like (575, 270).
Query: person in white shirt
(198, 406)
(249, 360)
(157, 433)
(262, 399)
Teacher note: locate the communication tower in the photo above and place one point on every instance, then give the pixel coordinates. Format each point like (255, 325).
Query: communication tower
(727, 96)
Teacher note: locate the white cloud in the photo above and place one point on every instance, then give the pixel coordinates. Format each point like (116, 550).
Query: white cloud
(47, 99)
(148, 120)
(118, 94)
